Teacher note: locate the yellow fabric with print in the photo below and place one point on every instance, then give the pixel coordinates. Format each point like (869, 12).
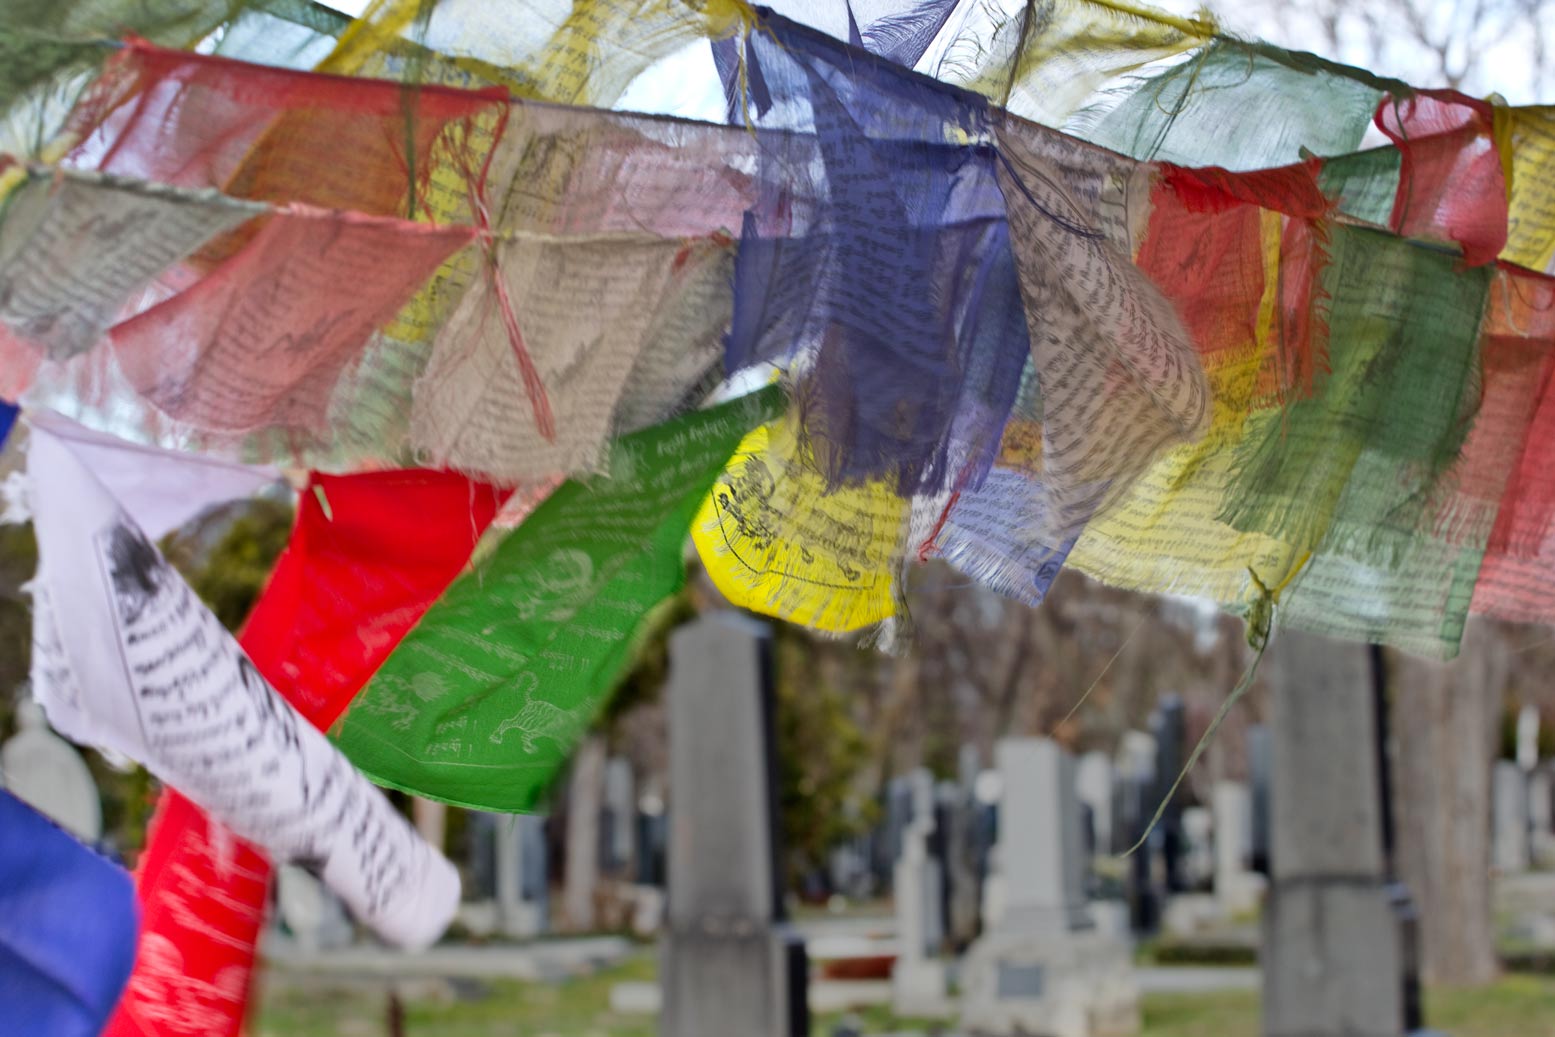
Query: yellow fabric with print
(775, 542)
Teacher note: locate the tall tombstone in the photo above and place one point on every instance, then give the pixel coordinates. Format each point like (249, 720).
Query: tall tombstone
(896, 817)
(1237, 887)
(1528, 737)
(730, 962)
(1139, 769)
(963, 886)
(1093, 783)
(1198, 857)
(1259, 762)
(480, 854)
(44, 771)
(523, 875)
(1541, 812)
(315, 917)
(917, 886)
(1339, 938)
(1169, 724)
(620, 824)
(585, 808)
(652, 842)
(1043, 967)
(1509, 818)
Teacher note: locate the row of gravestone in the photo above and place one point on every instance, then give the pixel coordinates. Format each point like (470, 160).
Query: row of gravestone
(1338, 934)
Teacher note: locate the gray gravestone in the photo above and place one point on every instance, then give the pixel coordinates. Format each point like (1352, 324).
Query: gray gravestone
(1338, 940)
(1258, 775)
(315, 917)
(1169, 724)
(620, 837)
(1198, 859)
(1528, 737)
(480, 834)
(1541, 813)
(1509, 818)
(1043, 968)
(917, 885)
(44, 771)
(523, 880)
(1237, 887)
(730, 963)
(1093, 783)
(1138, 773)
(963, 887)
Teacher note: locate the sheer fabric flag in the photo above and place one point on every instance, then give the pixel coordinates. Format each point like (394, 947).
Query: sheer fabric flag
(1046, 64)
(1531, 226)
(591, 313)
(485, 699)
(614, 256)
(883, 271)
(282, 136)
(1514, 579)
(1451, 179)
(580, 52)
(373, 148)
(44, 42)
(265, 336)
(76, 250)
(67, 927)
(1001, 535)
(777, 540)
(163, 683)
(1119, 377)
(1243, 107)
(369, 553)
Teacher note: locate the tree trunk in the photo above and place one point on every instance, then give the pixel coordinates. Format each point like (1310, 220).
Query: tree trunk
(1445, 721)
(585, 799)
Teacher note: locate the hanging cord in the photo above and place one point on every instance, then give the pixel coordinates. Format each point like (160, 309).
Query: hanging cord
(1260, 627)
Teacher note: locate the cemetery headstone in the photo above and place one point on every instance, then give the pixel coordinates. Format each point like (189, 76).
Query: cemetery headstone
(618, 845)
(585, 810)
(523, 878)
(1509, 818)
(44, 771)
(1043, 967)
(652, 839)
(1338, 946)
(963, 886)
(1169, 724)
(480, 834)
(1237, 887)
(1093, 783)
(1198, 863)
(1541, 814)
(314, 916)
(918, 977)
(1258, 773)
(1138, 776)
(1528, 737)
(730, 962)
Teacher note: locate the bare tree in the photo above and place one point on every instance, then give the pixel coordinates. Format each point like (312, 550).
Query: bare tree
(1478, 46)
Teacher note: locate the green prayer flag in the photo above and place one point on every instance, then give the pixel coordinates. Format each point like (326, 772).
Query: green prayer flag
(485, 699)
(1240, 106)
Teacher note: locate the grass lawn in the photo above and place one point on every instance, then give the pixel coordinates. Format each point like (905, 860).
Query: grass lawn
(1518, 1006)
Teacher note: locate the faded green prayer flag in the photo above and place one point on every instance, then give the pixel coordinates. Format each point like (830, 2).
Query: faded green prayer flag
(486, 698)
